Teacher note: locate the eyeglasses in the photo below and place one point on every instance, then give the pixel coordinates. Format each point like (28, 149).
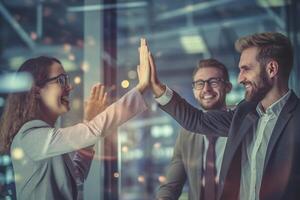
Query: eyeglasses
(62, 79)
(212, 82)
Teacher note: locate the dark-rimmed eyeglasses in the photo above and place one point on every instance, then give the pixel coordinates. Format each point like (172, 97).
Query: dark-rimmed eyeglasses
(62, 79)
(212, 82)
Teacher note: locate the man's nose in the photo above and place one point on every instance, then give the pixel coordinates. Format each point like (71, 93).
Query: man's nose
(241, 78)
(206, 86)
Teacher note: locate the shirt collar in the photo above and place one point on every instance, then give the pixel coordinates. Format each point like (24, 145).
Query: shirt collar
(276, 107)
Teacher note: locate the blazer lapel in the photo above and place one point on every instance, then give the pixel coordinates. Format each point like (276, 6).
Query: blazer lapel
(247, 127)
(282, 120)
(198, 158)
(249, 121)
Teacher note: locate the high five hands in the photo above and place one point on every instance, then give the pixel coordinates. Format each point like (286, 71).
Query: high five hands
(147, 71)
(143, 69)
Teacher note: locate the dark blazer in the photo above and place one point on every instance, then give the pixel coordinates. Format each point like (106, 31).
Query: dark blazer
(281, 176)
(186, 166)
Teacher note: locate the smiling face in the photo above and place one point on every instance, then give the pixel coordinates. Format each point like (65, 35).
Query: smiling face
(211, 97)
(253, 76)
(54, 97)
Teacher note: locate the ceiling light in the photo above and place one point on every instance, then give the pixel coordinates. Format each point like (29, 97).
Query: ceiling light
(193, 44)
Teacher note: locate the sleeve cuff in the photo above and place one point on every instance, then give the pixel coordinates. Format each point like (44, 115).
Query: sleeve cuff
(165, 98)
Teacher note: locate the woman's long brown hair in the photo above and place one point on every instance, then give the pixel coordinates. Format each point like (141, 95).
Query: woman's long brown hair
(22, 107)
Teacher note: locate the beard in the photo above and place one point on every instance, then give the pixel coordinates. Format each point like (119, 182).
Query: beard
(213, 106)
(259, 89)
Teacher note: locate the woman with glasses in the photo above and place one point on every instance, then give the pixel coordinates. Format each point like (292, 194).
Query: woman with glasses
(40, 151)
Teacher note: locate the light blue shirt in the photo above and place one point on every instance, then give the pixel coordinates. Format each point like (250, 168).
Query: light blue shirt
(255, 147)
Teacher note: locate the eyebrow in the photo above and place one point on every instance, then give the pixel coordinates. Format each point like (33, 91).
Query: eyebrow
(57, 76)
(209, 78)
(245, 67)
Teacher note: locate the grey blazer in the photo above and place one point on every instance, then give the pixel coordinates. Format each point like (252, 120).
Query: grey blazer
(281, 176)
(186, 165)
(43, 168)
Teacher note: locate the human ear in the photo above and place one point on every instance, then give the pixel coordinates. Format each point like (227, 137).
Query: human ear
(272, 68)
(36, 91)
(228, 87)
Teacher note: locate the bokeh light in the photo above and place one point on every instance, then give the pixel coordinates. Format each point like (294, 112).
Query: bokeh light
(125, 84)
(17, 153)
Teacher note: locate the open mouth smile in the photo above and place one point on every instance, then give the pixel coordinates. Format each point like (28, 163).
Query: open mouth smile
(65, 100)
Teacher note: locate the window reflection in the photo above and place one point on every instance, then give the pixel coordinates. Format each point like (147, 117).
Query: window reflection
(180, 32)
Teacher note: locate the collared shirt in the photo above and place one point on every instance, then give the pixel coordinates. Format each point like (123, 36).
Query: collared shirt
(164, 99)
(255, 147)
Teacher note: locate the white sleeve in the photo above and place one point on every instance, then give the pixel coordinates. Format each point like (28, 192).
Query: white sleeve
(166, 97)
(42, 141)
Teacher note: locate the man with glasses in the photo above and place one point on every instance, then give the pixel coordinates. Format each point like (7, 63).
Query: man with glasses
(261, 158)
(197, 158)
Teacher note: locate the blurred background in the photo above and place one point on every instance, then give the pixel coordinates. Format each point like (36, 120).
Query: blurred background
(97, 41)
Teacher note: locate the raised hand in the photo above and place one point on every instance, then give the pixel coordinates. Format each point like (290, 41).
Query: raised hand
(96, 103)
(156, 86)
(143, 69)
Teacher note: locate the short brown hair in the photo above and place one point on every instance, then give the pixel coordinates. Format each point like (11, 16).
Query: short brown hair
(271, 46)
(213, 63)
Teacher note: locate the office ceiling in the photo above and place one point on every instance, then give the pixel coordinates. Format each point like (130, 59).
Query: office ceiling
(179, 32)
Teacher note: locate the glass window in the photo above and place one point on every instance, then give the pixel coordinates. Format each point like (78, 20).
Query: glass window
(97, 40)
